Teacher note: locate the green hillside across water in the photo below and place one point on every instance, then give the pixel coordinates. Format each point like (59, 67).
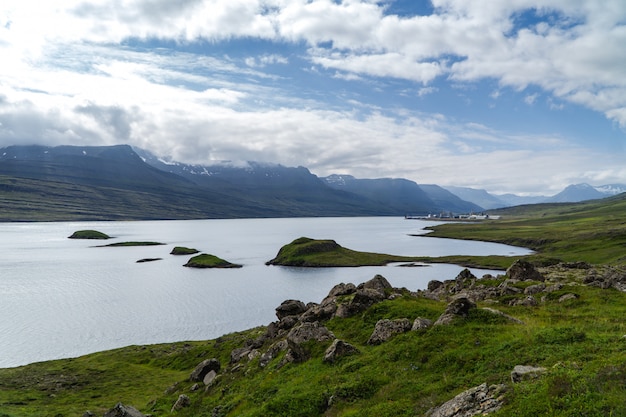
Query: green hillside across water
(546, 339)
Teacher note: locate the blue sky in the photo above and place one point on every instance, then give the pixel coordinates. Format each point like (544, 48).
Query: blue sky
(522, 96)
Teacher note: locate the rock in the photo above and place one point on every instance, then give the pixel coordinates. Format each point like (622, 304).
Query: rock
(183, 401)
(534, 289)
(290, 308)
(524, 271)
(501, 314)
(238, 354)
(209, 378)
(480, 400)
(121, 410)
(203, 368)
(310, 331)
(459, 307)
(342, 289)
(434, 285)
(385, 329)
(88, 414)
(567, 297)
(421, 323)
(528, 301)
(339, 349)
(378, 283)
(524, 372)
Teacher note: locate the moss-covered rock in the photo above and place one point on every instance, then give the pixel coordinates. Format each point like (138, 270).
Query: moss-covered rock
(89, 234)
(181, 250)
(205, 260)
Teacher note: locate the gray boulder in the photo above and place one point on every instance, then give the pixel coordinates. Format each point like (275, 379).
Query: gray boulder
(310, 331)
(378, 283)
(525, 372)
(524, 271)
(121, 410)
(421, 323)
(459, 307)
(385, 329)
(290, 308)
(339, 349)
(203, 368)
(480, 400)
(183, 401)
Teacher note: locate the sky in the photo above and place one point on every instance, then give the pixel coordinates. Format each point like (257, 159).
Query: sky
(516, 96)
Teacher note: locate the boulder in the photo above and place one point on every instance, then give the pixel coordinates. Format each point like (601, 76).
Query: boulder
(525, 372)
(121, 410)
(209, 378)
(528, 301)
(434, 285)
(421, 323)
(290, 308)
(203, 368)
(342, 289)
(183, 401)
(339, 349)
(480, 400)
(459, 307)
(524, 271)
(534, 289)
(568, 297)
(378, 283)
(385, 329)
(309, 331)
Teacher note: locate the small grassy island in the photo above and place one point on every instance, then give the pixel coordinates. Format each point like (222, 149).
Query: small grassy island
(209, 261)
(89, 234)
(316, 253)
(181, 250)
(127, 244)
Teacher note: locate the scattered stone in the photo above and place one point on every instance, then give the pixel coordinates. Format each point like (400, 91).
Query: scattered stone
(290, 308)
(567, 297)
(203, 368)
(524, 271)
(434, 285)
(525, 372)
(421, 323)
(121, 410)
(385, 329)
(501, 314)
(183, 401)
(339, 349)
(459, 307)
(534, 289)
(480, 400)
(209, 378)
(528, 301)
(310, 331)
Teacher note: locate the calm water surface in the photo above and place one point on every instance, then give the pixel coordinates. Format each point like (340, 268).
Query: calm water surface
(62, 298)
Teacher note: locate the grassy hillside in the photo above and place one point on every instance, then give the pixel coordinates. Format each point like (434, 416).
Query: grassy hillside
(593, 231)
(569, 321)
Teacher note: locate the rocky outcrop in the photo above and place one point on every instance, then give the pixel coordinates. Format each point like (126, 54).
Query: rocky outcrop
(480, 400)
(121, 410)
(421, 323)
(385, 329)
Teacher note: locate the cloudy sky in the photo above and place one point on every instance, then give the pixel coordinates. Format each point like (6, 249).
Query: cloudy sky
(523, 96)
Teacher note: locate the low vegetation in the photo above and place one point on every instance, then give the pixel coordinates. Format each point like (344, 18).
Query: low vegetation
(308, 252)
(209, 261)
(89, 234)
(181, 250)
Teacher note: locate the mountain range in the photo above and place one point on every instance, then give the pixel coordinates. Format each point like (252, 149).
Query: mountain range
(121, 182)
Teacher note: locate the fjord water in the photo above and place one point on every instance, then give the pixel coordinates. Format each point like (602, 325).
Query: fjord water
(62, 297)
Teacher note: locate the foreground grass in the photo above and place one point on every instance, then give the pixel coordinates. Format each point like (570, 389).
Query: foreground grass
(581, 343)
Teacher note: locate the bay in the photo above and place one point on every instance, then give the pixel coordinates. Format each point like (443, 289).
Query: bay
(63, 298)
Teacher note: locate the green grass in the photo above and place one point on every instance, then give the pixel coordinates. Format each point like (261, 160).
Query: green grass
(209, 261)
